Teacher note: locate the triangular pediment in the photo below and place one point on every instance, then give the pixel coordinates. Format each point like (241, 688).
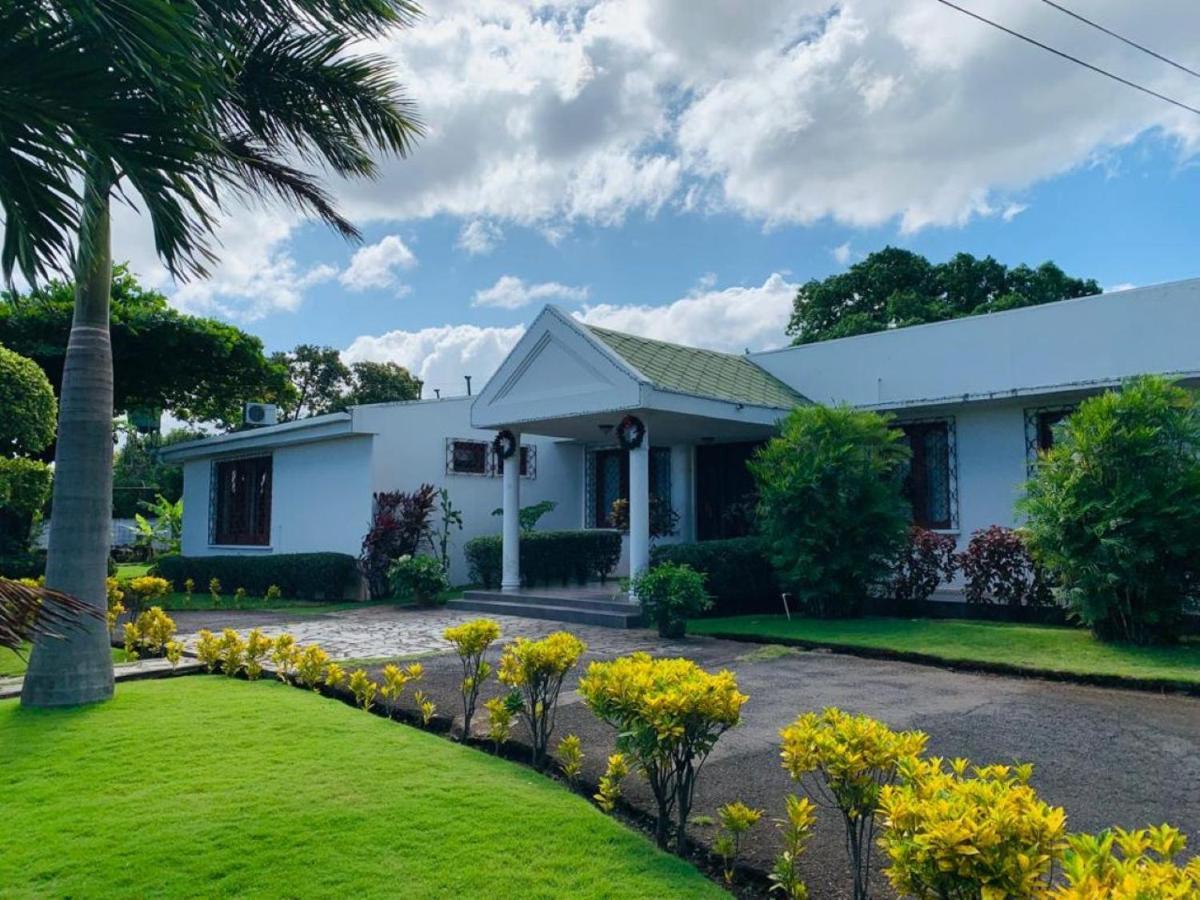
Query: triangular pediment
(557, 369)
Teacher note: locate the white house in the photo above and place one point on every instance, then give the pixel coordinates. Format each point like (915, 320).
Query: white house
(976, 398)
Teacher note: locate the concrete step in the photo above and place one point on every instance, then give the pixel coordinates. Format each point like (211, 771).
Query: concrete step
(518, 606)
(548, 598)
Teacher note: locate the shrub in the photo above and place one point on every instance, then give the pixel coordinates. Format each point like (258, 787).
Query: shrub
(309, 576)
(189, 586)
(208, 649)
(668, 714)
(570, 757)
(149, 633)
(997, 568)
(258, 645)
(844, 761)
(145, 589)
(232, 652)
(548, 557)
(529, 516)
(1128, 865)
(1114, 510)
(24, 564)
(610, 782)
(335, 675)
(950, 834)
(663, 519)
(285, 654)
(214, 590)
(400, 522)
(537, 669)
(796, 828)
(425, 707)
(500, 719)
(239, 596)
(924, 562)
(114, 597)
(273, 592)
(471, 641)
(419, 577)
(670, 594)
(24, 490)
(30, 411)
(363, 689)
(395, 680)
(174, 653)
(830, 506)
(736, 820)
(310, 668)
(740, 577)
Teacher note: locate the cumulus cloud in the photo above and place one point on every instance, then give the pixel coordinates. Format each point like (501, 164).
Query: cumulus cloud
(442, 355)
(510, 292)
(480, 236)
(841, 253)
(376, 265)
(732, 319)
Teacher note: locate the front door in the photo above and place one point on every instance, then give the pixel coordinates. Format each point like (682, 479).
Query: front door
(725, 491)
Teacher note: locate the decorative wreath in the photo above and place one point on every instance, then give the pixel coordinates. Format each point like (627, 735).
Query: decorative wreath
(504, 445)
(630, 433)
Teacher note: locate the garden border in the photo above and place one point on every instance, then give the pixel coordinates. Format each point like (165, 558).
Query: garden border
(1145, 685)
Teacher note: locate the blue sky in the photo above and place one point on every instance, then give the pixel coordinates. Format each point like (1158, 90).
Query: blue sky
(677, 168)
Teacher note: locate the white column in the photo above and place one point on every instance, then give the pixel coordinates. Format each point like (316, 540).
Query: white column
(639, 507)
(510, 578)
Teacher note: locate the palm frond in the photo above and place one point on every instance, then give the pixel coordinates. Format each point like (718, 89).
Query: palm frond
(28, 612)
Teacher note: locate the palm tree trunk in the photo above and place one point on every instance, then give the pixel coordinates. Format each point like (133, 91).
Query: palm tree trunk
(78, 668)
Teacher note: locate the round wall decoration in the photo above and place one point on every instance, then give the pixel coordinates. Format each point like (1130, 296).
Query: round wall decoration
(504, 445)
(630, 433)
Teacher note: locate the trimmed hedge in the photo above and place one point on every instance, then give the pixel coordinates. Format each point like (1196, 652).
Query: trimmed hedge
(741, 579)
(308, 576)
(33, 565)
(548, 557)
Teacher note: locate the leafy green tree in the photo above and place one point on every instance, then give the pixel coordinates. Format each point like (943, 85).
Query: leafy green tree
(201, 370)
(180, 106)
(893, 288)
(381, 382)
(27, 411)
(1114, 510)
(319, 378)
(140, 475)
(830, 508)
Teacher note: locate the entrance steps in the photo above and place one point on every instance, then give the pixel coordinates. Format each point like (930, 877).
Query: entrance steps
(606, 606)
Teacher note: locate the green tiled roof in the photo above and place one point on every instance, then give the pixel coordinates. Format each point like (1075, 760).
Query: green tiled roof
(703, 373)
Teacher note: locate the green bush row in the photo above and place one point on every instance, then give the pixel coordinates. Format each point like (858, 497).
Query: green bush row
(741, 579)
(548, 557)
(308, 576)
(33, 565)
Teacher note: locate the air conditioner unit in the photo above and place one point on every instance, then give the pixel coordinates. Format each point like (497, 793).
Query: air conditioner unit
(261, 414)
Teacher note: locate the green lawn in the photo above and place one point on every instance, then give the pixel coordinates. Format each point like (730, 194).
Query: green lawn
(11, 664)
(206, 786)
(132, 570)
(1069, 650)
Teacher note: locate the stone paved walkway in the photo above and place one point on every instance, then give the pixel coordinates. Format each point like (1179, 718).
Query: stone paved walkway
(143, 668)
(385, 631)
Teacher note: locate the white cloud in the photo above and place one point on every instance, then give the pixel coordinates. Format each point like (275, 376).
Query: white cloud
(731, 319)
(510, 292)
(1123, 286)
(841, 253)
(440, 356)
(376, 265)
(480, 236)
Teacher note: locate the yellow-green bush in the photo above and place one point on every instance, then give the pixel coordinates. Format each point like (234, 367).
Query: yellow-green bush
(149, 633)
(208, 649)
(310, 669)
(114, 596)
(145, 589)
(668, 714)
(258, 645)
(736, 820)
(232, 652)
(395, 679)
(500, 720)
(286, 656)
(335, 675)
(471, 641)
(1129, 865)
(570, 757)
(955, 831)
(425, 706)
(843, 762)
(537, 670)
(795, 829)
(363, 689)
(610, 782)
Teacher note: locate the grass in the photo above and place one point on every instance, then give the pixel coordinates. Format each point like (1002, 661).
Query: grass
(132, 570)
(224, 788)
(12, 664)
(1067, 650)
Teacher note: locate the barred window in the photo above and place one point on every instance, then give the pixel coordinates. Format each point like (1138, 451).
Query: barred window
(927, 484)
(242, 501)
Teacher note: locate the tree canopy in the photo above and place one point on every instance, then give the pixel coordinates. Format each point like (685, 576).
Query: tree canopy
(893, 288)
(201, 370)
(322, 383)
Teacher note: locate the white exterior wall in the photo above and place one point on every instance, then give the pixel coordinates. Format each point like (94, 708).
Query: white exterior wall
(410, 450)
(320, 499)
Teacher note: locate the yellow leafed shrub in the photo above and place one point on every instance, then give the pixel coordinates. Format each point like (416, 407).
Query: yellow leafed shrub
(1129, 865)
(570, 756)
(174, 653)
(310, 669)
(114, 595)
(610, 782)
(150, 633)
(956, 831)
(500, 720)
(537, 670)
(471, 641)
(258, 645)
(668, 714)
(795, 829)
(232, 652)
(208, 649)
(363, 689)
(395, 679)
(425, 706)
(286, 655)
(736, 820)
(143, 590)
(335, 675)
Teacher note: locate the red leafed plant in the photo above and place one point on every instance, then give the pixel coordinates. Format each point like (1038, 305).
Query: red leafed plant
(399, 524)
(925, 561)
(998, 568)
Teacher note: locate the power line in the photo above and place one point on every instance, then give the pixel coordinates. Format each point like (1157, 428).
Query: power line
(1068, 56)
(1074, 15)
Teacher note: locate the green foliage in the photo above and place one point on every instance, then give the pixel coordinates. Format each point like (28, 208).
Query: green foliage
(1129, 865)
(893, 288)
(379, 382)
(535, 670)
(739, 575)
(452, 520)
(419, 577)
(319, 381)
(570, 757)
(166, 529)
(795, 829)
(664, 521)
(471, 641)
(27, 407)
(310, 576)
(529, 516)
(140, 475)
(844, 762)
(1114, 510)
(668, 714)
(548, 557)
(395, 680)
(670, 594)
(24, 490)
(830, 510)
(199, 369)
(971, 836)
(736, 820)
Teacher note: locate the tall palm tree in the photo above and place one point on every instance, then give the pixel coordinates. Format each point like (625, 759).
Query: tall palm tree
(195, 102)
